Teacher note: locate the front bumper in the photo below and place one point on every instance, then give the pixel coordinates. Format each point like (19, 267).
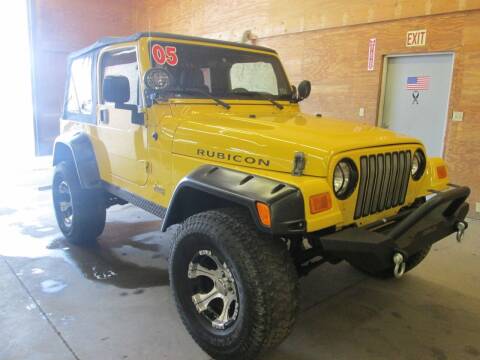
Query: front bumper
(406, 233)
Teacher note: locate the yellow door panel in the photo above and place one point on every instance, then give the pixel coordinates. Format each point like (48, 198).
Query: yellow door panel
(126, 146)
(122, 143)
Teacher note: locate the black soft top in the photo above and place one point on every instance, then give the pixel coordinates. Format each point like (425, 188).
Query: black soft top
(110, 40)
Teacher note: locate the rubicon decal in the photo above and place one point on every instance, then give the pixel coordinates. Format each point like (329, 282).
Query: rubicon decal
(162, 55)
(250, 160)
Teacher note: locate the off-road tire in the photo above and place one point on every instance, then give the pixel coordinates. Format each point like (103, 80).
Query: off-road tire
(88, 207)
(412, 262)
(265, 278)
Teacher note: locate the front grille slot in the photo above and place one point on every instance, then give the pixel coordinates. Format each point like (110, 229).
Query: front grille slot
(383, 182)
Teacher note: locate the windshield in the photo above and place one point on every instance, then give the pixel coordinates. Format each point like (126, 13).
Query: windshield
(220, 72)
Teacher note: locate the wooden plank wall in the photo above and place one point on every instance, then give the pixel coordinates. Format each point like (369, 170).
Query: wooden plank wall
(228, 19)
(326, 42)
(59, 27)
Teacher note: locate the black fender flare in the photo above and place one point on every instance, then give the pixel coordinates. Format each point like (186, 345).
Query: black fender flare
(78, 148)
(210, 187)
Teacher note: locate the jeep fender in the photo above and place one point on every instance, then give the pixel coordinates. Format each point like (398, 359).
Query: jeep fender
(211, 187)
(78, 149)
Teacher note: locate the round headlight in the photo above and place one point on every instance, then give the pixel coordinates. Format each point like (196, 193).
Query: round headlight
(344, 178)
(419, 164)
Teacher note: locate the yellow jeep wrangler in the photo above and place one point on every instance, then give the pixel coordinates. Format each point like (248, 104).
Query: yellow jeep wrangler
(209, 135)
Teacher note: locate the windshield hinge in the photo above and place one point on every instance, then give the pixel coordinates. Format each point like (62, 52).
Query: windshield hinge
(298, 163)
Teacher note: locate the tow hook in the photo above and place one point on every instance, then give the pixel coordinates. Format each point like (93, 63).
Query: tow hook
(461, 226)
(400, 265)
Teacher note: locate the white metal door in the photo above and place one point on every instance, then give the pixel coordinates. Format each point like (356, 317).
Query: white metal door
(416, 95)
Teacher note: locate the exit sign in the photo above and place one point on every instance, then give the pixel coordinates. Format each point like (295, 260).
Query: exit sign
(416, 38)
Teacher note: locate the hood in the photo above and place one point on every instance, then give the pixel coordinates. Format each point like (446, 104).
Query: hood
(269, 140)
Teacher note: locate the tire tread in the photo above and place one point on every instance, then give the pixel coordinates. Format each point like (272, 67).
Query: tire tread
(89, 207)
(275, 279)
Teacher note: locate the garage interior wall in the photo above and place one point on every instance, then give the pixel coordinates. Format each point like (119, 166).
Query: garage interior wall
(59, 27)
(324, 41)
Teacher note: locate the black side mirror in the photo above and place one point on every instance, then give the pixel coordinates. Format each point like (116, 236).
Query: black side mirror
(116, 89)
(304, 89)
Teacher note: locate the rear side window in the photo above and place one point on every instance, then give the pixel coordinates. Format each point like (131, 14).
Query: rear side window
(122, 63)
(80, 96)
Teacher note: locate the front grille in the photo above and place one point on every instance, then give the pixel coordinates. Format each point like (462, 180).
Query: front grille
(383, 182)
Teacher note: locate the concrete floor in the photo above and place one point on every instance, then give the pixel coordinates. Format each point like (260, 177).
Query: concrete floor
(59, 301)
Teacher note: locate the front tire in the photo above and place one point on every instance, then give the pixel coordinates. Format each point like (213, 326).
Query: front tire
(235, 289)
(80, 212)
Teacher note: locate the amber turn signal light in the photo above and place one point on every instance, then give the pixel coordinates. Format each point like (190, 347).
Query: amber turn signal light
(320, 202)
(263, 211)
(442, 172)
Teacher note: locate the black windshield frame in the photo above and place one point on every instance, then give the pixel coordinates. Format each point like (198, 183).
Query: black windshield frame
(219, 61)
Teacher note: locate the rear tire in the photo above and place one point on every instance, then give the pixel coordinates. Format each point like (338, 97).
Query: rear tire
(412, 262)
(80, 212)
(261, 280)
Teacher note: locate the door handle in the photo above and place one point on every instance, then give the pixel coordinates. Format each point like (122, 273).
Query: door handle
(155, 136)
(104, 116)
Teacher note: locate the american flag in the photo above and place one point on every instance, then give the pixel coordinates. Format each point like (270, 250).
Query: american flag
(418, 82)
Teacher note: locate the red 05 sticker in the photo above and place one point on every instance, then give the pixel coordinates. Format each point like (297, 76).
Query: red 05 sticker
(167, 54)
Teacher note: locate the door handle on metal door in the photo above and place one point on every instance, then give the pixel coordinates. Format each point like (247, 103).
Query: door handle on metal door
(104, 116)
(155, 136)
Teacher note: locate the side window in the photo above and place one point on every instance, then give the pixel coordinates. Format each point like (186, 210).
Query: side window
(79, 96)
(254, 76)
(121, 64)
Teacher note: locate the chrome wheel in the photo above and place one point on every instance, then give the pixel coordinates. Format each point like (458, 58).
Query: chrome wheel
(214, 290)
(65, 203)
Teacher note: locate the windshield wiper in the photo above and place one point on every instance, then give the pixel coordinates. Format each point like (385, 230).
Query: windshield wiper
(207, 94)
(266, 96)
